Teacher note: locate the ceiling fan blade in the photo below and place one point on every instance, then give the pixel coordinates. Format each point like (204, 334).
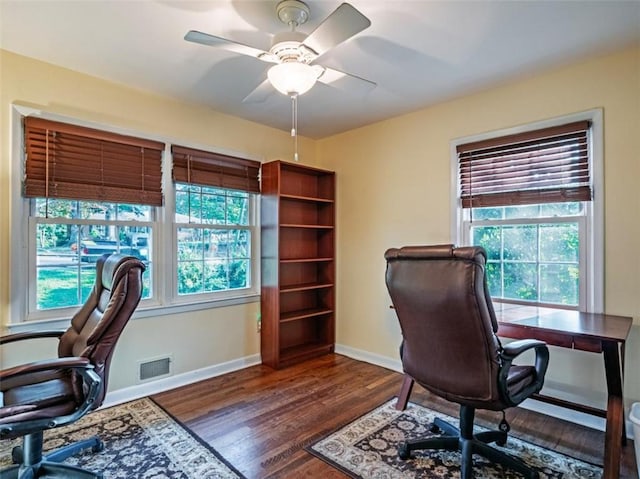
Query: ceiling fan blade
(342, 24)
(260, 93)
(346, 81)
(229, 45)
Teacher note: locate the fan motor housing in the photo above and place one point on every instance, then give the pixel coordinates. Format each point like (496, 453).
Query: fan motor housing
(288, 46)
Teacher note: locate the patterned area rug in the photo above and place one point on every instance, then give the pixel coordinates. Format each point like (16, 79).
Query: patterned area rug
(141, 441)
(367, 449)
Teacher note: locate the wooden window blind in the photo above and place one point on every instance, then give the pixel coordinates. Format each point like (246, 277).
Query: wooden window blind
(542, 166)
(78, 163)
(214, 169)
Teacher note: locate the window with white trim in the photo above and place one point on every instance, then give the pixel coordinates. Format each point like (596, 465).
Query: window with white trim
(84, 195)
(91, 192)
(68, 237)
(213, 234)
(215, 196)
(530, 197)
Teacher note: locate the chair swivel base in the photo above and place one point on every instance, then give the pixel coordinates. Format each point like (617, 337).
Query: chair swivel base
(467, 443)
(59, 455)
(32, 464)
(49, 470)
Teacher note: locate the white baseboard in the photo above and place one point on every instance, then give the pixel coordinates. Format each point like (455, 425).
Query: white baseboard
(154, 387)
(575, 417)
(367, 357)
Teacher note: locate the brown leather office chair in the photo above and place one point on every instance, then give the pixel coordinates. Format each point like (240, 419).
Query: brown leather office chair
(450, 347)
(47, 394)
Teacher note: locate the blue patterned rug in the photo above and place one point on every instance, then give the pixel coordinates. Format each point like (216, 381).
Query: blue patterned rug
(141, 441)
(367, 449)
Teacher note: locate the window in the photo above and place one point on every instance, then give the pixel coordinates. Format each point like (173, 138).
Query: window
(214, 239)
(69, 236)
(530, 198)
(532, 251)
(88, 191)
(79, 180)
(215, 223)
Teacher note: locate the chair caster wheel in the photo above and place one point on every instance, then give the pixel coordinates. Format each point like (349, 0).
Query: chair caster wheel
(435, 429)
(98, 447)
(403, 451)
(501, 442)
(17, 455)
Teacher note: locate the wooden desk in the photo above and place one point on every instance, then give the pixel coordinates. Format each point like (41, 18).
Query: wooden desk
(596, 333)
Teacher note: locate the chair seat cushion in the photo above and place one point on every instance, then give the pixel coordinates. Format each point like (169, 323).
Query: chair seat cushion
(519, 378)
(47, 399)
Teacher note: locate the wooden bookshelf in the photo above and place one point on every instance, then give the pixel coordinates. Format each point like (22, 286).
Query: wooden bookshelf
(298, 263)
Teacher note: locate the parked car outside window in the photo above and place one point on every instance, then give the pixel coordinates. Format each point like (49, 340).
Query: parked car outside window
(92, 249)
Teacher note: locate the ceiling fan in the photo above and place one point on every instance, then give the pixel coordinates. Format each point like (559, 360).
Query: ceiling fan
(294, 52)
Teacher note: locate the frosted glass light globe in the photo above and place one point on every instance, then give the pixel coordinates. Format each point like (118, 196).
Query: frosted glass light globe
(292, 78)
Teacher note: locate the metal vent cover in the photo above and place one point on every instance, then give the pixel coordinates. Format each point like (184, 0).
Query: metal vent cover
(154, 368)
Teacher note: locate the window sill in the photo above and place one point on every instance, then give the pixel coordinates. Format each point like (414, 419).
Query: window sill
(143, 312)
(176, 308)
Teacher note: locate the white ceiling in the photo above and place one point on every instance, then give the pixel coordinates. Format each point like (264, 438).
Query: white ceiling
(418, 52)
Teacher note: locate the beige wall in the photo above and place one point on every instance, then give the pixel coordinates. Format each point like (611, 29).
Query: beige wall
(394, 182)
(198, 339)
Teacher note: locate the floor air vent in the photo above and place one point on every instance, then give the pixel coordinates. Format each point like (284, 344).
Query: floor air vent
(155, 368)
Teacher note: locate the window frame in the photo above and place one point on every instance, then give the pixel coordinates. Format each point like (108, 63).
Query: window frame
(254, 229)
(591, 282)
(33, 312)
(165, 299)
(581, 220)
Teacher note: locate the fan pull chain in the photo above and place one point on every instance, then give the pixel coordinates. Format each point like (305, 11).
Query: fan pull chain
(294, 125)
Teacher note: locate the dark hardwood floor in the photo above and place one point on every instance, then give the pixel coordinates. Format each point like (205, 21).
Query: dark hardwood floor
(260, 419)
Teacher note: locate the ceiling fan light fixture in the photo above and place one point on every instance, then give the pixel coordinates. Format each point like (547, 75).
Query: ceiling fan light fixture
(293, 78)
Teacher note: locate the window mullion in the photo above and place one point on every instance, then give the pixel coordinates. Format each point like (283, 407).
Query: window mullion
(538, 264)
(585, 270)
(502, 272)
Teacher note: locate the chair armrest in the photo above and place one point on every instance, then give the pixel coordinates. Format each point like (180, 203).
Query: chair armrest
(10, 338)
(516, 348)
(510, 352)
(46, 365)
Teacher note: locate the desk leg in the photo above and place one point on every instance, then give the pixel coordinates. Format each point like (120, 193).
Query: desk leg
(615, 411)
(405, 392)
(624, 423)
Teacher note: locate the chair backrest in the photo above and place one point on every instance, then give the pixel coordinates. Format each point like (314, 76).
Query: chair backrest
(96, 327)
(447, 320)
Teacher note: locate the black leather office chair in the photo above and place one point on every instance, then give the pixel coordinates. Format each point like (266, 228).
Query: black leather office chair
(450, 347)
(47, 394)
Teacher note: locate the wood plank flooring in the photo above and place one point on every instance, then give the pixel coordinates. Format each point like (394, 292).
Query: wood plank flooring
(260, 419)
